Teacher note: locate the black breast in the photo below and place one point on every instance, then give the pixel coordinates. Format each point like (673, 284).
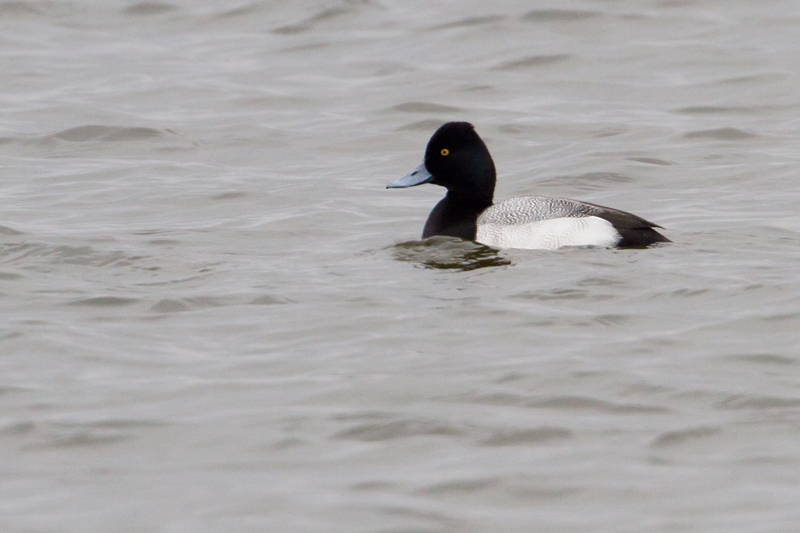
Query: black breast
(453, 219)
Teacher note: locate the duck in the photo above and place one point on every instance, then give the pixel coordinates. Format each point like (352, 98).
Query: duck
(457, 159)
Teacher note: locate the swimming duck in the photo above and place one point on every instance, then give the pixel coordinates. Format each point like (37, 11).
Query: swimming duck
(457, 159)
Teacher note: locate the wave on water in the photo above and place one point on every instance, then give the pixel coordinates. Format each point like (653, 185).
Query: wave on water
(588, 182)
(722, 134)
(149, 8)
(425, 107)
(95, 132)
(449, 253)
(532, 61)
(558, 15)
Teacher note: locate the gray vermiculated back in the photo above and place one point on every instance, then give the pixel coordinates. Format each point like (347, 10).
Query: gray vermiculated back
(527, 209)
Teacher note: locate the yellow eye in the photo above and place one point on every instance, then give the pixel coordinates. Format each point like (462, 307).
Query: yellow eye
(445, 152)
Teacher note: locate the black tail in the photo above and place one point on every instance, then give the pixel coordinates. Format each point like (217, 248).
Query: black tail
(639, 237)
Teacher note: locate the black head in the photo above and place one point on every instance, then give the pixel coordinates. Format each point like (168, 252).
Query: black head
(458, 160)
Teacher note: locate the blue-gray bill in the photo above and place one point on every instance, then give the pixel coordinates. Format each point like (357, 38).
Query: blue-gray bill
(418, 176)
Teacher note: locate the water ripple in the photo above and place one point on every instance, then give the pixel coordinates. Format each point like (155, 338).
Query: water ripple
(670, 439)
(524, 437)
(95, 132)
(398, 429)
(558, 15)
(531, 62)
(470, 21)
(743, 402)
(448, 253)
(425, 107)
(149, 8)
(722, 134)
(104, 301)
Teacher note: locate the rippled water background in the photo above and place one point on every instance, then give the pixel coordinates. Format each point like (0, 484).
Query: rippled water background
(215, 318)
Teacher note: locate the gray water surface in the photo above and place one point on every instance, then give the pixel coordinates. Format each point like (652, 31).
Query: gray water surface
(215, 318)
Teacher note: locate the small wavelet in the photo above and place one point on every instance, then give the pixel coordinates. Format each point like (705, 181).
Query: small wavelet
(180, 305)
(6, 335)
(425, 107)
(422, 125)
(765, 359)
(763, 78)
(524, 437)
(611, 131)
(531, 62)
(475, 88)
(569, 403)
(38, 254)
(650, 161)
(554, 294)
(461, 486)
(671, 439)
(149, 8)
(9, 390)
(16, 9)
(231, 195)
(745, 402)
(104, 301)
(372, 486)
(518, 129)
(558, 15)
(96, 132)
(471, 21)
(169, 305)
(82, 439)
(449, 253)
(591, 181)
(397, 429)
(610, 319)
(540, 493)
(322, 16)
(680, 293)
(125, 423)
(330, 13)
(61, 435)
(269, 299)
(35, 8)
(290, 29)
(706, 110)
(722, 134)
(18, 429)
(5, 230)
(595, 281)
(581, 403)
(430, 520)
(241, 11)
(382, 68)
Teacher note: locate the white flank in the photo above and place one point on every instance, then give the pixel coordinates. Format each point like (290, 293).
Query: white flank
(550, 234)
